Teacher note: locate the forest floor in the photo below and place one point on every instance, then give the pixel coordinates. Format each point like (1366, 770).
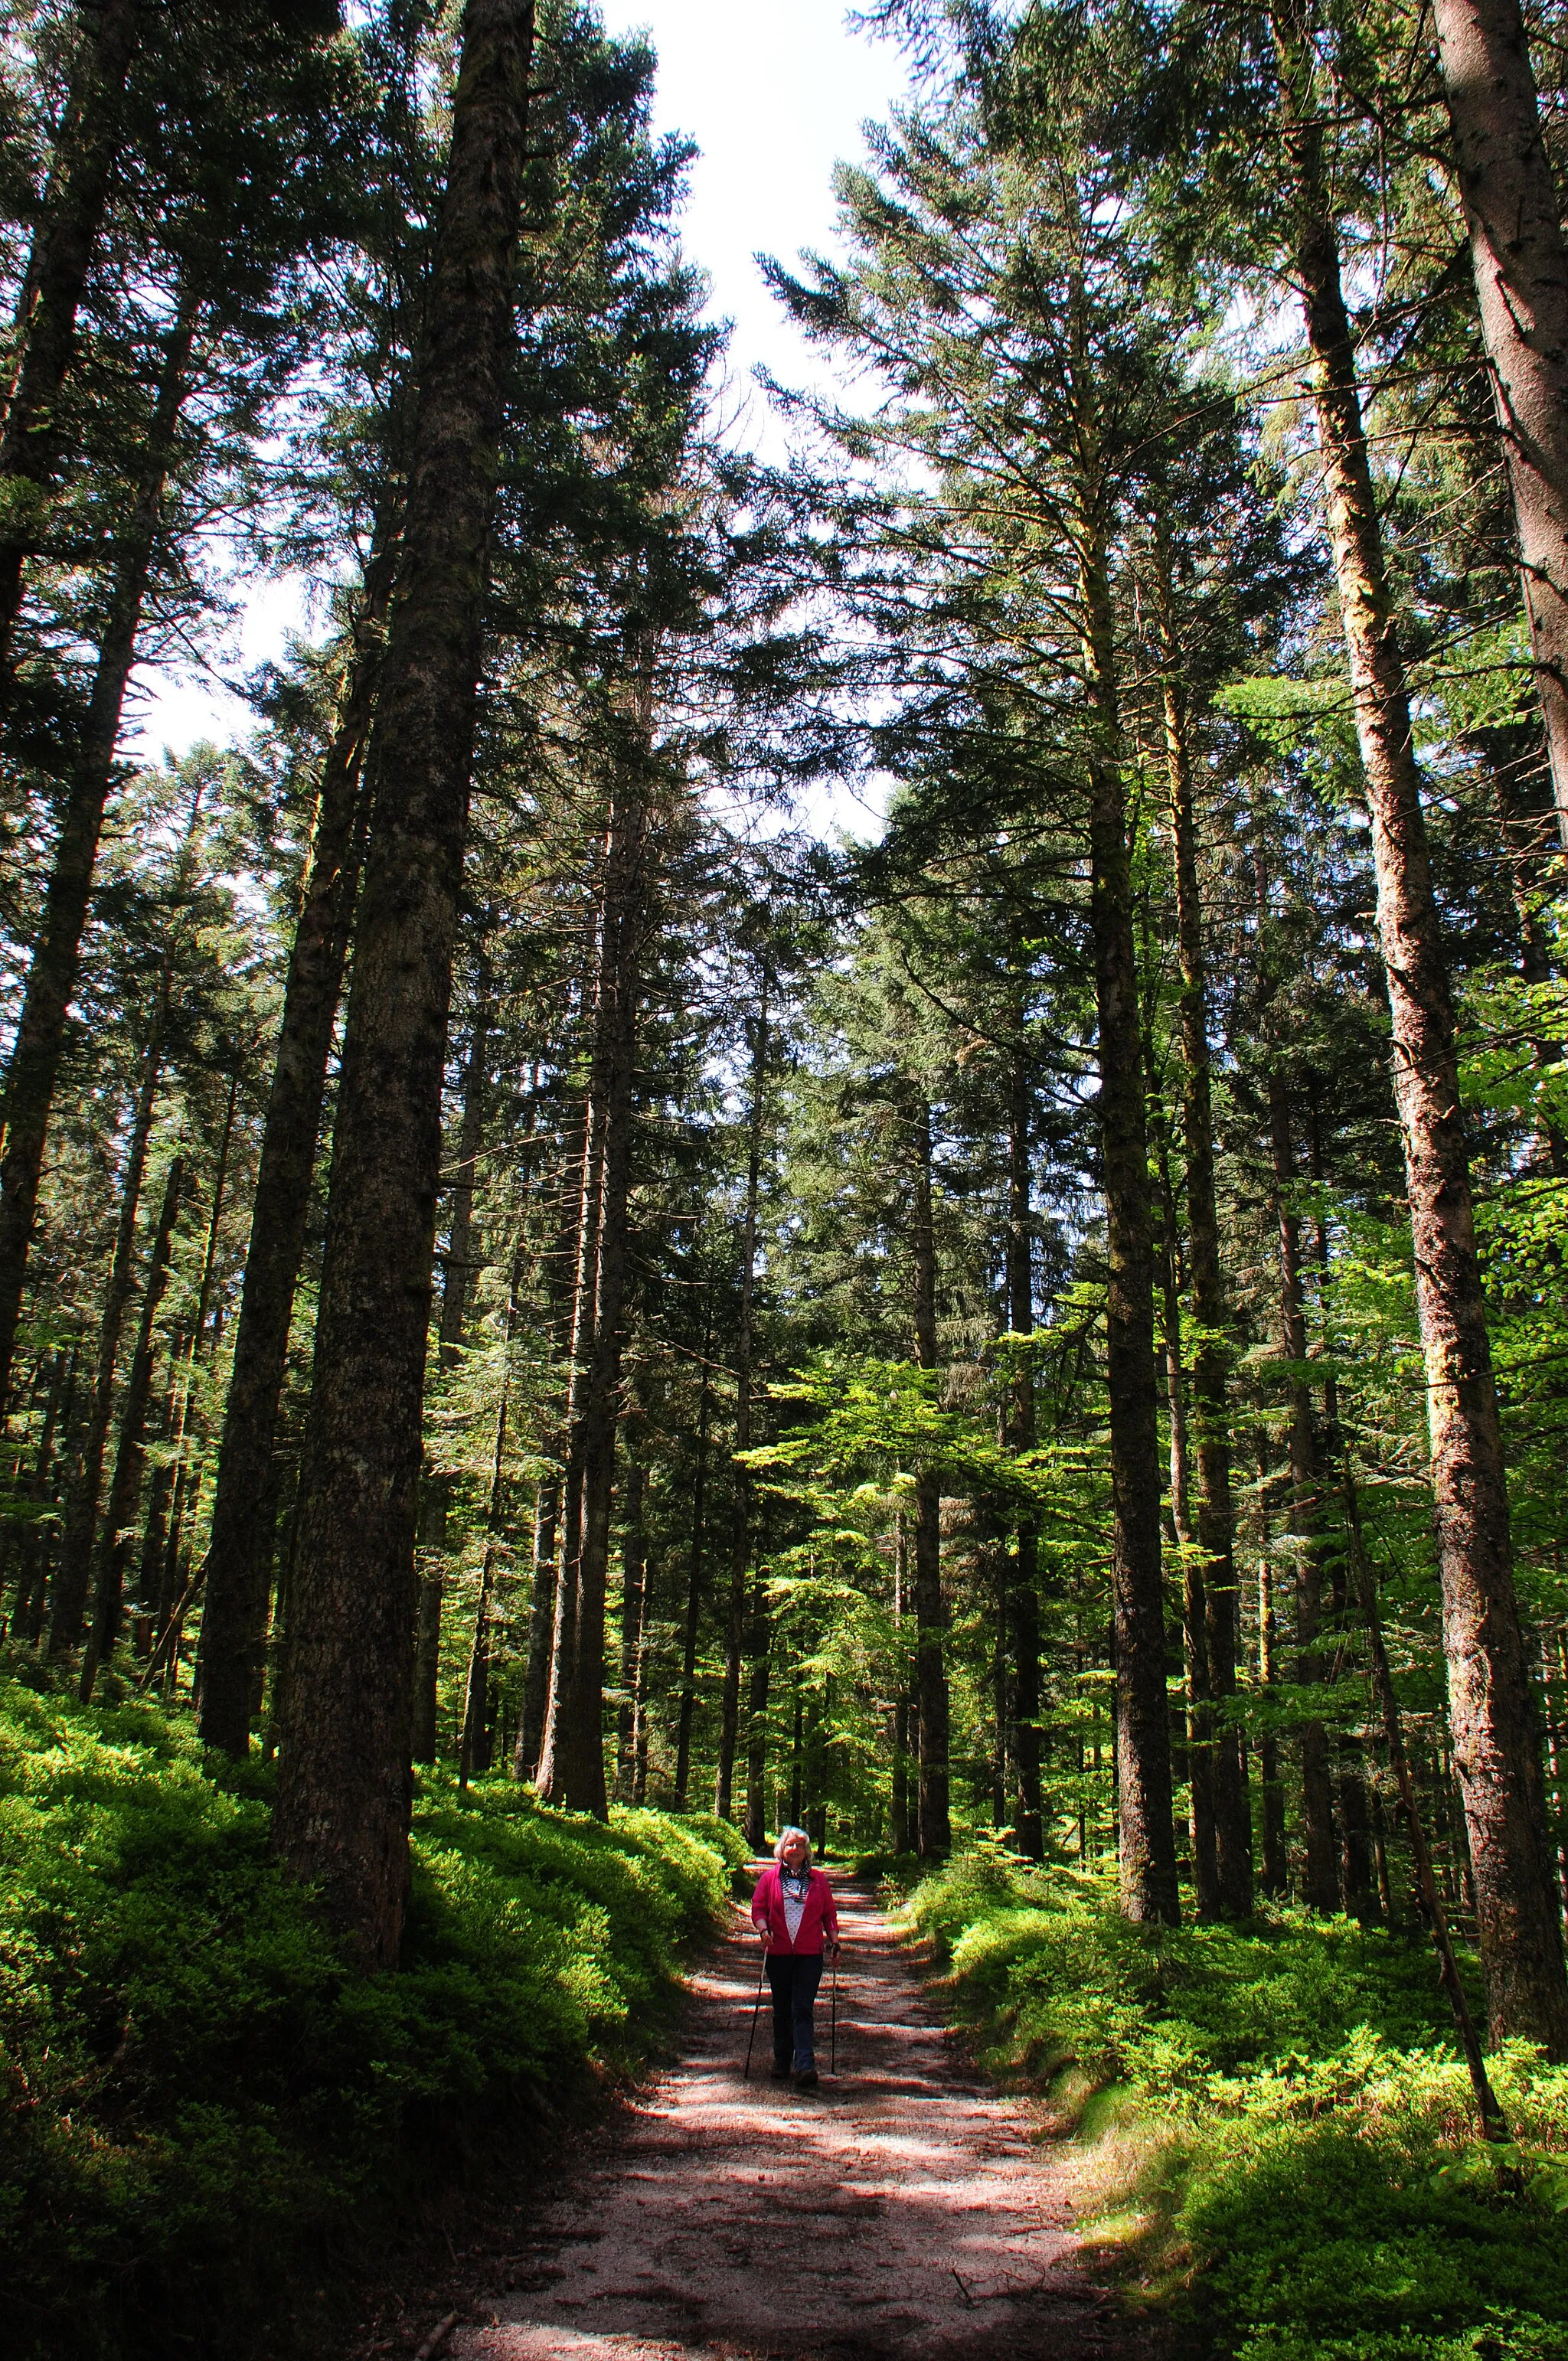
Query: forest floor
(900, 2209)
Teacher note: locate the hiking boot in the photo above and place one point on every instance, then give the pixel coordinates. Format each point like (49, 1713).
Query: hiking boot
(807, 2079)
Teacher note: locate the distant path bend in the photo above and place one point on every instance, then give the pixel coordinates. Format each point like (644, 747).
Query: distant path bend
(899, 2211)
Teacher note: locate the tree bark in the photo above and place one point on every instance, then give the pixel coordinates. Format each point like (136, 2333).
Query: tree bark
(31, 445)
(541, 1627)
(1276, 1878)
(1195, 1643)
(1520, 258)
(1491, 1706)
(435, 1499)
(473, 1752)
(1021, 1432)
(70, 1600)
(571, 1761)
(34, 1067)
(757, 1716)
(1210, 1313)
(1147, 1847)
(933, 1834)
(1320, 1888)
(239, 1548)
(342, 1815)
(695, 1570)
(634, 1565)
(741, 1537)
(124, 1488)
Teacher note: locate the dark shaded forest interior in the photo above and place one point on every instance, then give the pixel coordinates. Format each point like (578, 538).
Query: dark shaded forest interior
(555, 1317)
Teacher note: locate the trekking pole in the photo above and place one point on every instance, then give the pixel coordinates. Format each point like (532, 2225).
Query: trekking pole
(833, 2069)
(756, 2004)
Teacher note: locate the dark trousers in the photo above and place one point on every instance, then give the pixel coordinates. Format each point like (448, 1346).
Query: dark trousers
(794, 1977)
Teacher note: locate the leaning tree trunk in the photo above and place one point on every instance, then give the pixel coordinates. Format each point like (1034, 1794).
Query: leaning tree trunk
(239, 1545)
(1491, 1704)
(75, 200)
(1211, 1415)
(1520, 258)
(342, 1815)
(34, 1067)
(1147, 1839)
(933, 1824)
(70, 1600)
(124, 1488)
(741, 1537)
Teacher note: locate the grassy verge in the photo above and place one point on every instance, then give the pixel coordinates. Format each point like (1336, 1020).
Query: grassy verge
(201, 2101)
(1276, 2139)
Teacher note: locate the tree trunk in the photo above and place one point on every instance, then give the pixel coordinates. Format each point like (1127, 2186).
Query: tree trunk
(435, 1499)
(1491, 1706)
(934, 1835)
(741, 1537)
(1320, 1887)
(757, 1718)
(1195, 1641)
(1028, 1830)
(124, 1488)
(34, 1067)
(473, 1752)
(1520, 260)
(77, 192)
(239, 1548)
(899, 1829)
(1148, 1845)
(1276, 1877)
(70, 1601)
(633, 1562)
(585, 1300)
(571, 1762)
(1211, 1357)
(342, 1815)
(694, 1581)
(541, 1627)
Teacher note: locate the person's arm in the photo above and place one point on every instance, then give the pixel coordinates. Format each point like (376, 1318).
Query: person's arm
(762, 1902)
(830, 1913)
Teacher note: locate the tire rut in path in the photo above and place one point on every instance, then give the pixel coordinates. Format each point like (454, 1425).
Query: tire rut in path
(899, 2210)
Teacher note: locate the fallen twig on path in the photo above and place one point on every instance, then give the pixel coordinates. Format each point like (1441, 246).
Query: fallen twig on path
(437, 2338)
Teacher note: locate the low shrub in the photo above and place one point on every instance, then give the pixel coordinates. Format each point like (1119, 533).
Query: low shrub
(200, 2095)
(1299, 2169)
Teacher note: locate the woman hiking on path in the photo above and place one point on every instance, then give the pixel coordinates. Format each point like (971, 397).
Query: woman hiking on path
(792, 1910)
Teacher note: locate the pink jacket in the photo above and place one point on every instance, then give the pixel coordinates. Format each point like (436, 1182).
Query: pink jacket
(820, 1917)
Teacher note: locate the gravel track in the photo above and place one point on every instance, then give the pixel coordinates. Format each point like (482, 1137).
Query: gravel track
(900, 2209)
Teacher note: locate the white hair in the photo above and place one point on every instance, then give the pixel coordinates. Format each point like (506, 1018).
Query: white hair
(784, 1837)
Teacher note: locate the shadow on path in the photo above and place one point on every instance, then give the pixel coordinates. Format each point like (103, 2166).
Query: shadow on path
(898, 2210)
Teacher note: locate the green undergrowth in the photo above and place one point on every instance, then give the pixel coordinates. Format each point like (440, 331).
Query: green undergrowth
(202, 2101)
(1276, 2140)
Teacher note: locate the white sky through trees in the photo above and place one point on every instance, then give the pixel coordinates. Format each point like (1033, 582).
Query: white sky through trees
(773, 91)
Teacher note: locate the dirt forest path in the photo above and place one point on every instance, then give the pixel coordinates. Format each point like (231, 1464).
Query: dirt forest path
(898, 2210)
